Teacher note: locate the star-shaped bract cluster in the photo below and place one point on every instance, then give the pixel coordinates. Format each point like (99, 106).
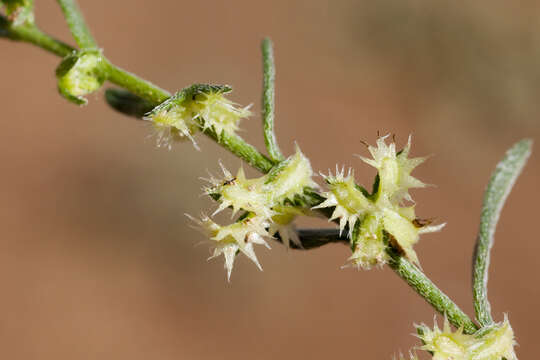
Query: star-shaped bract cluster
(269, 205)
(372, 218)
(197, 107)
(495, 342)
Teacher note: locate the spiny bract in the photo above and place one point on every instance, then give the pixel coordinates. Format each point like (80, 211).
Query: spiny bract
(283, 223)
(369, 217)
(196, 107)
(394, 169)
(270, 199)
(260, 195)
(236, 237)
(412, 356)
(240, 193)
(493, 342)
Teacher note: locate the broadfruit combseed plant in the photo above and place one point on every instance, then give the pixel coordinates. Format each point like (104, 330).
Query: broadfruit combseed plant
(380, 226)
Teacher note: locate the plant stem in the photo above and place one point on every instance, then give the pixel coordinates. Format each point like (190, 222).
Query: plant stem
(136, 85)
(420, 283)
(77, 25)
(268, 103)
(313, 238)
(501, 182)
(142, 88)
(243, 150)
(31, 34)
(154, 95)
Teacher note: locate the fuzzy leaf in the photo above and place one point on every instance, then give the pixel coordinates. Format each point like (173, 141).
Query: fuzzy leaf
(499, 186)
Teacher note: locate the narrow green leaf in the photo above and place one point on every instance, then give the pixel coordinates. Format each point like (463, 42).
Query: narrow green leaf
(499, 186)
(127, 103)
(77, 25)
(4, 24)
(268, 103)
(31, 34)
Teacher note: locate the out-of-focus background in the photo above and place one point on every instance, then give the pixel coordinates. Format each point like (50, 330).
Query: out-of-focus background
(97, 260)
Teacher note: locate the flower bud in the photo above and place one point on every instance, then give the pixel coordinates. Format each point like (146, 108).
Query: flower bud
(368, 248)
(283, 224)
(260, 195)
(290, 177)
(350, 203)
(380, 214)
(19, 11)
(217, 112)
(240, 193)
(493, 342)
(394, 169)
(80, 74)
(196, 107)
(237, 237)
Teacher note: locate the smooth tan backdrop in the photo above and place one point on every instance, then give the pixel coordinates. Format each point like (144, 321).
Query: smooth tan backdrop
(97, 260)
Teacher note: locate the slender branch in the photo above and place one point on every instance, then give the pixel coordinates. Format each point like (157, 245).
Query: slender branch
(142, 88)
(417, 280)
(268, 103)
(136, 85)
(77, 25)
(154, 95)
(243, 150)
(31, 34)
(499, 186)
(420, 283)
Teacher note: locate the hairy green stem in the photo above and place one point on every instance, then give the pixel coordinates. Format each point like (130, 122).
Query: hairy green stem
(501, 182)
(420, 283)
(31, 34)
(77, 25)
(142, 88)
(268, 102)
(153, 95)
(417, 280)
(136, 85)
(243, 150)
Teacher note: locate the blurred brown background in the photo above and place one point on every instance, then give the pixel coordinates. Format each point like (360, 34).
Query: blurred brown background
(97, 260)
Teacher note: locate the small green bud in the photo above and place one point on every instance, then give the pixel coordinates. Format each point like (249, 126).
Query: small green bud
(19, 11)
(80, 74)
